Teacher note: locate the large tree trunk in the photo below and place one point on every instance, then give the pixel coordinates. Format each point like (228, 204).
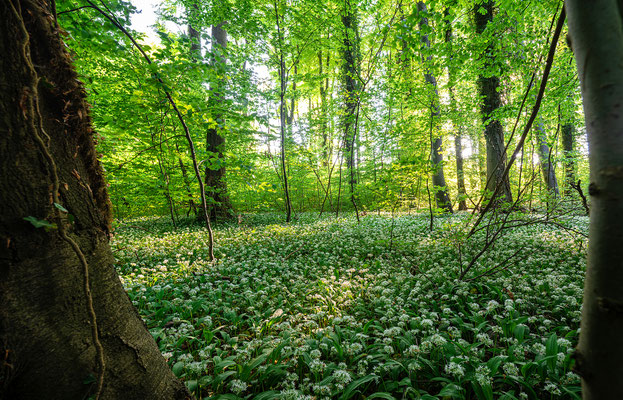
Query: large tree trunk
(596, 29)
(488, 87)
(215, 142)
(62, 306)
(439, 181)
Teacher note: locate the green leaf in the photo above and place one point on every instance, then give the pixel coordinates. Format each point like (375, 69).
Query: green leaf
(191, 385)
(177, 369)
(451, 390)
(63, 209)
(350, 389)
(271, 394)
(551, 351)
(39, 223)
(494, 363)
(381, 395)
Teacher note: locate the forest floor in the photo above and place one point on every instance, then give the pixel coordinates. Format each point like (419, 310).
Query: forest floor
(332, 308)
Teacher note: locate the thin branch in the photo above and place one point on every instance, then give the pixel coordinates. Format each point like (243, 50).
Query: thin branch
(181, 119)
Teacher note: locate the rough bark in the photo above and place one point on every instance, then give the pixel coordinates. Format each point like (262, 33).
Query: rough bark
(46, 320)
(488, 88)
(442, 199)
(596, 30)
(545, 159)
(216, 184)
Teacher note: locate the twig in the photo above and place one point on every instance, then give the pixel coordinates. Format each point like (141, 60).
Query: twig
(578, 188)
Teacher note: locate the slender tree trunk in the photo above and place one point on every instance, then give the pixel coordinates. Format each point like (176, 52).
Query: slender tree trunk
(290, 118)
(195, 42)
(482, 161)
(215, 141)
(458, 146)
(187, 182)
(64, 315)
(350, 74)
(323, 112)
(488, 87)
(545, 158)
(568, 133)
(596, 30)
(283, 85)
(440, 189)
(460, 174)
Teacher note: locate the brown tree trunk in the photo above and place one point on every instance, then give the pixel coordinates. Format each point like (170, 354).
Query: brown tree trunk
(488, 87)
(62, 306)
(568, 131)
(442, 200)
(215, 142)
(596, 30)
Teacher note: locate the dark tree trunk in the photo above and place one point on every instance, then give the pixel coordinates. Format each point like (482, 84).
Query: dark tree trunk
(195, 42)
(216, 184)
(568, 133)
(439, 180)
(545, 158)
(57, 284)
(596, 30)
(488, 87)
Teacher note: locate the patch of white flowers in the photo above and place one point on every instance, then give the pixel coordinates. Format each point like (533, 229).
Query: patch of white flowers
(309, 308)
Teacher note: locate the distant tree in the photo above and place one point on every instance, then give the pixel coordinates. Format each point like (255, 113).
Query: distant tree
(215, 140)
(458, 137)
(351, 60)
(67, 328)
(442, 199)
(545, 159)
(489, 90)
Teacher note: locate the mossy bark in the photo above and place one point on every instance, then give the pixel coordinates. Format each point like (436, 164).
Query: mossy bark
(216, 185)
(45, 325)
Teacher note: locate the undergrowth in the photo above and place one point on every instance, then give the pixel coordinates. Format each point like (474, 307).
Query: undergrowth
(334, 309)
